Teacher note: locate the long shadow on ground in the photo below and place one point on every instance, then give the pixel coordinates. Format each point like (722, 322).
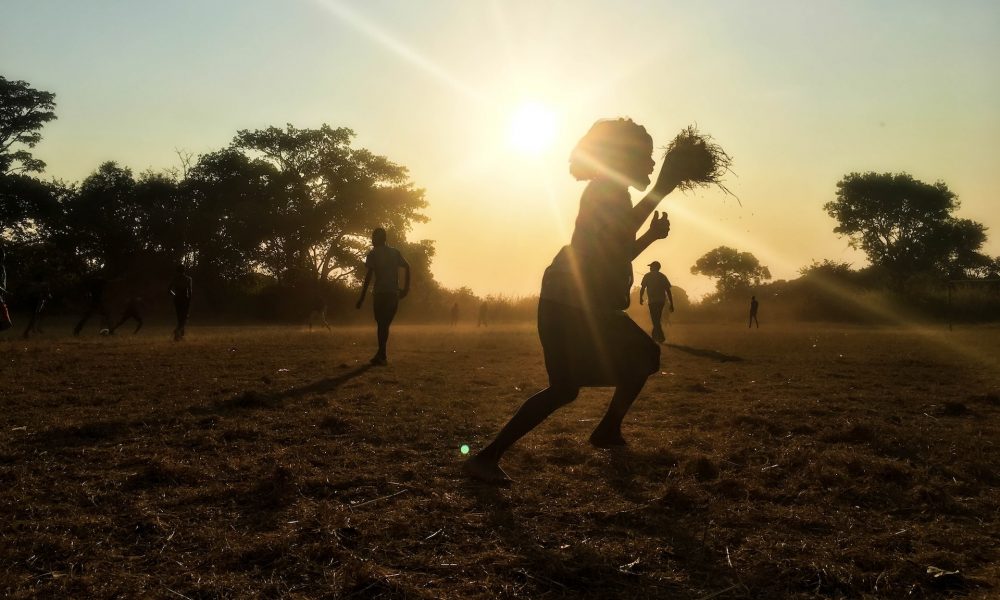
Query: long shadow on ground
(251, 399)
(705, 353)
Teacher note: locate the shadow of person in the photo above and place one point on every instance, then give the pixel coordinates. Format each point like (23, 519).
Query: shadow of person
(323, 385)
(251, 399)
(705, 353)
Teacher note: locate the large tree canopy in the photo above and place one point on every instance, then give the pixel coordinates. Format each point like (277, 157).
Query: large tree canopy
(906, 226)
(23, 111)
(330, 198)
(733, 270)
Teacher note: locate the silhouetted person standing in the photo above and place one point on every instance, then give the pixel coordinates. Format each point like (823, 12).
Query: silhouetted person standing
(39, 298)
(95, 287)
(484, 315)
(656, 285)
(181, 287)
(753, 312)
(5, 322)
(587, 339)
(131, 312)
(454, 314)
(383, 263)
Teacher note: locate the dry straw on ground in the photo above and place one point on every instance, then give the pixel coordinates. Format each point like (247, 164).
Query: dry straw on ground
(805, 462)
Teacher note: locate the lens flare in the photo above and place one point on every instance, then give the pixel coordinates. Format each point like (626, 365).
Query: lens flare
(464, 449)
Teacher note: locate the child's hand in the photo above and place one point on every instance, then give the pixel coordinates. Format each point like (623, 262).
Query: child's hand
(667, 179)
(659, 227)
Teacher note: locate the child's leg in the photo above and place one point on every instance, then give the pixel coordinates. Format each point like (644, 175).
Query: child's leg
(609, 431)
(121, 322)
(534, 410)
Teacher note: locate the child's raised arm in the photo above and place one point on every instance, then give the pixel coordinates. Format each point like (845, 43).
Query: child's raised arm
(666, 181)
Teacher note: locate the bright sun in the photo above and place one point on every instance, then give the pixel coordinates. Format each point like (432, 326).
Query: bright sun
(532, 128)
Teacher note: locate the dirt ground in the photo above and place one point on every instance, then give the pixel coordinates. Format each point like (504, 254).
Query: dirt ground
(798, 461)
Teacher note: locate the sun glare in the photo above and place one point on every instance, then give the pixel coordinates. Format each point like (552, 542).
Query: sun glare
(532, 128)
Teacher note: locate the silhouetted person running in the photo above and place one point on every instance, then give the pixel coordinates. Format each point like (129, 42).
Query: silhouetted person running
(318, 313)
(95, 286)
(383, 262)
(131, 312)
(753, 312)
(39, 298)
(656, 285)
(181, 288)
(454, 314)
(5, 322)
(484, 314)
(587, 339)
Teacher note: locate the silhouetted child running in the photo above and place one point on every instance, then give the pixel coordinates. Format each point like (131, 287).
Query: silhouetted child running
(384, 262)
(95, 286)
(587, 339)
(181, 287)
(131, 312)
(753, 312)
(656, 285)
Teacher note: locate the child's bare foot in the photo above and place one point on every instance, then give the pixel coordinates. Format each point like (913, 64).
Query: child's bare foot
(485, 470)
(605, 439)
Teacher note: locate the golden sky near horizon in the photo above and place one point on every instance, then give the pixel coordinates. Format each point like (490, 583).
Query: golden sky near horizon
(483, 101)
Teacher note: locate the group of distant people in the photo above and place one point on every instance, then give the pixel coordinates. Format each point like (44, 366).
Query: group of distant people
(180, 289)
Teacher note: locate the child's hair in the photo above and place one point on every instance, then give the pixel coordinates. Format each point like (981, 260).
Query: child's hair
(609, 146)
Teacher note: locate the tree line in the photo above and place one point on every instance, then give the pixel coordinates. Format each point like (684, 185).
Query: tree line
(922, 259)
(272, 225)
(277, 223)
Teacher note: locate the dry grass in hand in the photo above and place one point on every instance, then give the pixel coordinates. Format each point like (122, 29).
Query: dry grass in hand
(697, 160)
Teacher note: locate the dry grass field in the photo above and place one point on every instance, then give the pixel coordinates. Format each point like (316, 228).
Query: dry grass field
(786, 462)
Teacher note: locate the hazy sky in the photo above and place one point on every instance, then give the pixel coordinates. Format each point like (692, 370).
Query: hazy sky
(800, 93)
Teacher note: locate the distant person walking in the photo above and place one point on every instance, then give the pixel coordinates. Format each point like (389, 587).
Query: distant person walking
(39, 298)
(181, 288)
(95, 287)
(484, 314)
(383, 263)
(132, 311)
(5, 322)
(454, 314)
(753, 312)
(656, 285)
(318, 313)
(587, 339)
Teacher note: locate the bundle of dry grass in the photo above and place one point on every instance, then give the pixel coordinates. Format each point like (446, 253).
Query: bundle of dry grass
(697, 160)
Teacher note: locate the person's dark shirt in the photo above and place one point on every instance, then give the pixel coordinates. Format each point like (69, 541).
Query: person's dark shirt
(656, 284)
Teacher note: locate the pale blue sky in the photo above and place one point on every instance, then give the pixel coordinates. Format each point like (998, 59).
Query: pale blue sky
(800, 93)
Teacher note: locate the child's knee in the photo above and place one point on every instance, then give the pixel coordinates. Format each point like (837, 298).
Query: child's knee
(563, 395)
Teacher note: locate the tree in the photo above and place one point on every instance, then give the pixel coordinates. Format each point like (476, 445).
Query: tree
(905, 226)
(23, 111)
(28, 206)
(735, 271)
(102, 220)
(332, 196)
(226, 215)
